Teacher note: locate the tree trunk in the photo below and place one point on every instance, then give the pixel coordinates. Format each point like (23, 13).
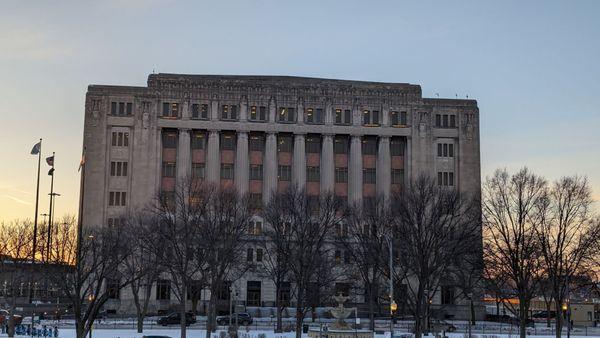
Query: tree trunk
(559, 319)
(182, 313)
(140, 323)
(371, 309)
(548, 319)
(299, 313)
(279, 311)
(522, 319)
(210, 316)
(418, 330)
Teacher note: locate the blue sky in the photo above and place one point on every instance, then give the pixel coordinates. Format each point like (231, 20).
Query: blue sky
(532, 66)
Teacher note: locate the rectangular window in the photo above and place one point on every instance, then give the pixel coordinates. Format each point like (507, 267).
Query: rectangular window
(112, 288)
(227, 171)
(343, 116)
(439, 150)
(341, 175)
(256, 143)
(438, 120)
(118, 168)
(169, 139)
(259, 255)
(117, 198)
(195, 111)
(198, 140)
(227, 141)
(445, 178)
(170, 109)
(369, 146)
(255, 201)
(120, 139)
(340, 145)
(256, 172)
(369, 175)
(113, 108)
(168, 169)
(445, 150)
(229, 112)
(163, 289)
(258, 113)
(447, 295)
(253, 293)
(284, 173)
(129, 108)
(313, 115)
(285, 144)
(121, 108)
(450, 150)
(397, 176)
(397, 118)
(396, 147)
(255, 228)
(403, 118)
(249, 255)
(198, 170)
(287, 114)
(370, 118)
(452, 121)
(313, 144)
(312, 174)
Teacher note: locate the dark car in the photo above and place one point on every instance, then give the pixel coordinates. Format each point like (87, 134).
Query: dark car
(544, 315)
(242, 319)
(5, 316)
(441, 325)
(175, 318)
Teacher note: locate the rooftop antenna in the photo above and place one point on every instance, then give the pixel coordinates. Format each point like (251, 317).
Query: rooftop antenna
(438, 95)
(467, 96)
(153, 71)
(456, 95)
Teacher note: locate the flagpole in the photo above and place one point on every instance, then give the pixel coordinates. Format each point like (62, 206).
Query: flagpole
(48, 239)
(35, 219)
(81, 196)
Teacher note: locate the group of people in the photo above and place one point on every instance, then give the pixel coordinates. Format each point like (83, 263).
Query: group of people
(27, 330)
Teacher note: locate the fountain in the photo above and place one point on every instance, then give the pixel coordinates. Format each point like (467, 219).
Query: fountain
(340, 329)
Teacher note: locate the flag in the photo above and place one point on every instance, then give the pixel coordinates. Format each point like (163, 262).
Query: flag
(36, 148)
(51, 172)
(82, 162)
(50, 160)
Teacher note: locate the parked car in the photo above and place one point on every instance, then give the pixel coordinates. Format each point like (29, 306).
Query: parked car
(543, 315)
(175, 318)
(5, 315)
(441, 325)
(242, 319)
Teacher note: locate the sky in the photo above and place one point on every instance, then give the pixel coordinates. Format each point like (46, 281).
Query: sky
(533, 67)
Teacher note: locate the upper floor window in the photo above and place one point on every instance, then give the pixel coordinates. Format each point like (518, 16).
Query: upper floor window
(445, 120)
(198, 141)
(198, 170)
(256, 172)
(369, 175)
(313, 115)
(255, 228)
(163, 289)
(371, 117)
(200, 111)
(445, 178)
(398, 118)
(229, 112)
(227, 141)
(227, 171)
(120, 139)
(256, 143)
(396, 147)
(258, 113)
(285, 144)
(118, 168)
(117, 198)
(341, 175)
(170, 109)
(169, 139)
(343, 116)
(287, 114)
(284, 173)
(313, 144)
(340, 145)
(255, 201)
(121, 108)
(445, 150)
(168, 169)
(313, 174)
(369, 146)
(397, 176)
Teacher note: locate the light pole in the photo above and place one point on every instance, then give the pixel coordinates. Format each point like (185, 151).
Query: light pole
(470, 295)
(393, 305)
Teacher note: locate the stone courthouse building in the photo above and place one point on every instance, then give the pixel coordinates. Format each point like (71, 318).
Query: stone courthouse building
(263, 133)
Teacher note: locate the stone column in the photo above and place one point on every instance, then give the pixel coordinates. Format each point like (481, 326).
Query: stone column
(184, 156)
(242, 163)
(243, 110)
(327, 164)
(355, 170)
(270, 167)
(384, 167)
(213, 158)
(299, 161)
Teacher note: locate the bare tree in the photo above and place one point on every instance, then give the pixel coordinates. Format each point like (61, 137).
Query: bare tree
(567, 237)
(222, 240)
(511, 213)
(177, 217)
(16, 265)
(100, 254)
(435, 226)
(143, 262)
(364, 238)
(310, 221)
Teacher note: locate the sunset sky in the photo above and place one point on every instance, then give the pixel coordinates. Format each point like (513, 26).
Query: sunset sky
(533, 67)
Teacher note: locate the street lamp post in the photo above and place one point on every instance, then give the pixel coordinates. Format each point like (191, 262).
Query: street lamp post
(393, 305)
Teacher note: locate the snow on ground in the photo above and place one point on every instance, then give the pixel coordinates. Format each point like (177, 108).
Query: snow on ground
(198, 333)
